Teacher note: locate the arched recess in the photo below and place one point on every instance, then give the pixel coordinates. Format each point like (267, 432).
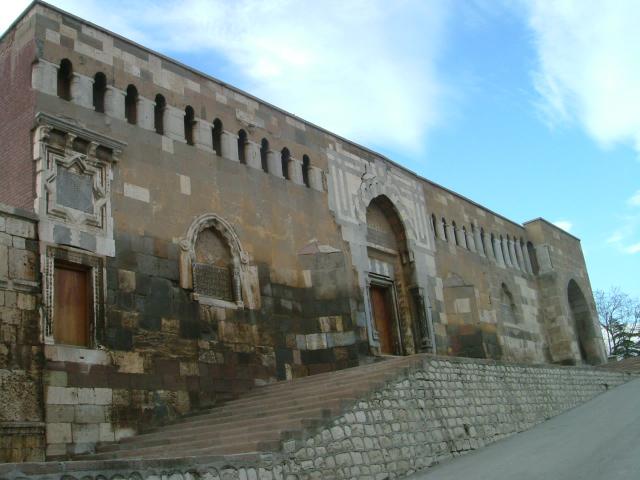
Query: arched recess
(215, 231)
(583, 324)
(389, 280)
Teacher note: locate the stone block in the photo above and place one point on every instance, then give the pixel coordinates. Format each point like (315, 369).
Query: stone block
(86, 433)
(59, 433)
(62, 396)
(126, 280)
(89, 414)
(26, 301)
(106, 433)
(20, 228)
(4, 261)
(60, 413)
(22, 265)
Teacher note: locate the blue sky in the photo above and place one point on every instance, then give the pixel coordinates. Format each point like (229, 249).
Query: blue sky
(531, 108)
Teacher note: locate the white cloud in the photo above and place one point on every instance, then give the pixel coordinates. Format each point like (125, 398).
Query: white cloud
(365, 69)
(565, 225)
(587, 68)
(635, 248)
(634, 200)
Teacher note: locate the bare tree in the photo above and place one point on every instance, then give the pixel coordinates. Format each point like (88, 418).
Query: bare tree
(619, 316)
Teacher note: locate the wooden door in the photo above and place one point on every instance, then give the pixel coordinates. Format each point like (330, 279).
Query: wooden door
(383, 318)
(71, 306)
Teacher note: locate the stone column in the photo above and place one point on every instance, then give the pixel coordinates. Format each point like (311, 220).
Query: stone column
(82, 90)
(512, 254)
(471, 242)
(114, 102)
(479, 241)
(451, 234)
(497, 246)
(504, 250)
(315, 179)
(440, 228)
(44, 77)
(252, 155)
(174, 124)
(527, 260)
(145, 114)
(229, 146)
(520, 256)
(274, 163)
(295, 171)
(202, 135)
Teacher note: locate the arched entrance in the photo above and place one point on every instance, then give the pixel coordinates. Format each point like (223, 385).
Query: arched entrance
(388, 279)
(582, 324)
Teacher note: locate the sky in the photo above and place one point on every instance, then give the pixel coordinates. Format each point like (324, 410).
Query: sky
(528, 107)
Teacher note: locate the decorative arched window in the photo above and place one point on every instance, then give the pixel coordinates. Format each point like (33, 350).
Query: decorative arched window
(189, 124)
(216, 133)
(99, 91)
(158, 114)
(131, 105)
(306, 165)
(213, 262)
(285, 157)
(444, 229)
(65, 76)
(507, 306)
(264, 155)
(242, 146)
(433, 225)
(455, 233)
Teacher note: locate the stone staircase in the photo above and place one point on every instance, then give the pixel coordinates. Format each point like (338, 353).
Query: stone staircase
(260, 420)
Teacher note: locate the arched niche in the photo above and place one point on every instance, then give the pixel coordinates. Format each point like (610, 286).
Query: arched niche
(583, 324)
(210, 248)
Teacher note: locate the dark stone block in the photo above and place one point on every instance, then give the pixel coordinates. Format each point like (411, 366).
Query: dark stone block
(125, 300)
(150, 322)
(118, 339)
(61, 235)
(67, 42)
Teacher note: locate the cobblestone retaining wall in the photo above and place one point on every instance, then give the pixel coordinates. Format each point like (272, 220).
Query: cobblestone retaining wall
(432, 411)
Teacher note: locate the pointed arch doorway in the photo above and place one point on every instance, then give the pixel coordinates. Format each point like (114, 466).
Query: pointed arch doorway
(387, 280)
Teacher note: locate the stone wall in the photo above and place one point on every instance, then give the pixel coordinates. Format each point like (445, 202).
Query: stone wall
(21, 416)
(430, 412)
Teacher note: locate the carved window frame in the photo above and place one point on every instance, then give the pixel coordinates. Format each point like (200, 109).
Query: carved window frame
(240, 259)
(96, 267)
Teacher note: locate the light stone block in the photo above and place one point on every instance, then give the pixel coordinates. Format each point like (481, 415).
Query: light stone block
(136, 192)
(82, 91)
(145, 113)
(44, 77)
(59, 433)
(185, 184)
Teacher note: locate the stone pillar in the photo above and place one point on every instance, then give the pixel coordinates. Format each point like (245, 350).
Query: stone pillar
(527, 260)
(44, 77)
(479, 241)
(145, 113)
(174, 124)
(440, 228)
(520, 256)
(295, 171)
(252, 155)
(544, 259)
(315, 179)
(451, 233)
(229, 146)
(114, 102)
(82, 90)
(202, 136)
(274, 163)
(504, 250)
(471, 242)
(512, 253)
(497, 246)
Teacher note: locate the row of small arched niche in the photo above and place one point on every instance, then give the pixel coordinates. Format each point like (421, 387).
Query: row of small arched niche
(181, 126)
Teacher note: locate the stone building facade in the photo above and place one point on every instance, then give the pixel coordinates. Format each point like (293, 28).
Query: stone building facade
(168, 242)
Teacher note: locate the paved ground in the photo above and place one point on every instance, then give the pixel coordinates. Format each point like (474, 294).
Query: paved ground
(599, 440)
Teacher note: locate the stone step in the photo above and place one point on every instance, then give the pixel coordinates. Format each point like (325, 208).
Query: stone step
(260, 420)
(251, 419)
(229, 431)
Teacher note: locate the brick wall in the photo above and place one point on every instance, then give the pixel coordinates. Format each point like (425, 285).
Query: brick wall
(17, 103)
(21, 427)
